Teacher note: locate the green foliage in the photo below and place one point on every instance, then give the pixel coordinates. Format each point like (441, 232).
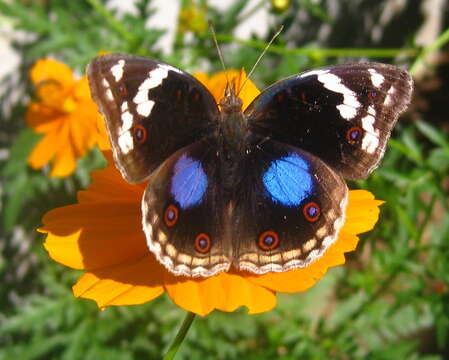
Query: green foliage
(391, 301)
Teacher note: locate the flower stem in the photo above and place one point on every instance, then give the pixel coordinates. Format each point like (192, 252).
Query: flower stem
(174, 347)
(321, 52)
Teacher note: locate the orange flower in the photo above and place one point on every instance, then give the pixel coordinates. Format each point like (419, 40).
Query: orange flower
(102, 234)
(217, 84)
(64, 113)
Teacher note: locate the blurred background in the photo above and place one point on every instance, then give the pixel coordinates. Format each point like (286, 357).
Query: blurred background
(391, 299)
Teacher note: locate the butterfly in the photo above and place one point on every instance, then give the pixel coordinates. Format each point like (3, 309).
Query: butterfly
(260, 190)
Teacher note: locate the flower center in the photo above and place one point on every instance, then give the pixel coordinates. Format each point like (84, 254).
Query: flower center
(69, 105)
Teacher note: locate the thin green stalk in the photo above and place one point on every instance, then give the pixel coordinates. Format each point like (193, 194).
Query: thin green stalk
(116, 25)
(426, 220)
(321, 52)
(174, 347)
(438, 43)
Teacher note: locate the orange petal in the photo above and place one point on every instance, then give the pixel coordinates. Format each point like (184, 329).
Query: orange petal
(45, 149)
(90, 119)
(217, 84)
(102, 135)
(65, 162)
(52, 94)
(249, 91)
(83, 130)
(88, 111)
(51, 70)
(126, 284)
(82, 90)
(42, 118)
(362, 213)
(94, 236)
(224, 292)
(109, 187)
(78, 138)
(203, 78)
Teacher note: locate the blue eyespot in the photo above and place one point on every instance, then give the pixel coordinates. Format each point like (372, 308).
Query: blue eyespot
(288, 180)
(189, 182)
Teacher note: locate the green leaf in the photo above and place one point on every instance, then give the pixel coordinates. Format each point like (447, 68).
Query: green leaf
(437, 137)
(18, 156)
(438, 160)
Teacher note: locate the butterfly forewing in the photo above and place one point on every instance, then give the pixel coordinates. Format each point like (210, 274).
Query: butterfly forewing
(342, 114)
(151, 108)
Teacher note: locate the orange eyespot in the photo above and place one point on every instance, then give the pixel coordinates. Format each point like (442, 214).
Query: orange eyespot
(311, 211)
(171, 215)
(122, 90)
(140, 134)
(353, 135)
(372, 95)
(202, 243)
(195, 95)
(268, 240)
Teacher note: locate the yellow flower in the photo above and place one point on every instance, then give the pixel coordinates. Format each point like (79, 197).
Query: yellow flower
(102, 234)
(64, 113)
(192, 17)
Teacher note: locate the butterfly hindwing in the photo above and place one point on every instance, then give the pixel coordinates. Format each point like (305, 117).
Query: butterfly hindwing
(183, 213)
(279, 194)
(343, 114)
(151, 109)
(288, 211)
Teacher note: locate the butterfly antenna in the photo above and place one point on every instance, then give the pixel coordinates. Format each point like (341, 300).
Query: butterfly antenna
(260, 57)
(220, 55)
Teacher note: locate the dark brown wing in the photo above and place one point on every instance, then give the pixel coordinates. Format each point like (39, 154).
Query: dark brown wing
(342, 114)
(184, 213)
(151, 109)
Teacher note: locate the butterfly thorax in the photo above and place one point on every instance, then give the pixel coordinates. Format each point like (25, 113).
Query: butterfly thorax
(233, 124)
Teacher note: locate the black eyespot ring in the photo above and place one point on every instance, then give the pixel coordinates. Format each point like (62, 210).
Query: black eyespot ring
(140, 134)
(353, 135)
(268, 240)
(171, 215)
(311, 211)
(203, 243)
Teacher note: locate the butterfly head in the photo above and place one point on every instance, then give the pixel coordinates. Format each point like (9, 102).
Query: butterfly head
(230, 102)
(233, 126)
